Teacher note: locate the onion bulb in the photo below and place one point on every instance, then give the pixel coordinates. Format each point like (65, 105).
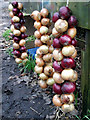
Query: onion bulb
(42, 84)
(72, 32)
(39, 62)
(36, 15)
(11, 14)
(50, 81)
(18, 60)
(20, 6)
(24, 55)
(51, 49)
(43, 49)
(12, 28)
(45, 21)
(67, 98)
(49, 43)
(68, 50)
(37, 25)
(45, 38)
(10, 7)
(55, 33)
(61, 25)
(38, 69)
(39, 54)
(56, 100)
(22, 42)
(67, 74)
(43, 76)
(75, 77)
(49, 64)
(23, 29)
(37, 34)
(44, 12)
(67, 107)
(15, 19)
(38, 43)
(16, 32)
(74, 54)
(57, 55)
(47, 57)
(57, 78)
(48, 70)
(43, 30)
(16, 45)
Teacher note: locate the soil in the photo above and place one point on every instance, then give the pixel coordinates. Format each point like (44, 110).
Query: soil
(22, 98)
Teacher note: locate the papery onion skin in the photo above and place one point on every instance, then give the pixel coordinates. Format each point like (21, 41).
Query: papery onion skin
(75, 77)
(10, 7)
(15, 19)
(42, 84)
(22, 42)
(57, 55)
(67, 107)
(11, 14)
(38, 69)
(55, 33)
(74, 42)
(43, 76)
(38, 43)
(44, 12)
(37, 25)
(43, 30)
(47, 57)
(45, 38)
(43, 49)
(57, 78)
(23, 29)
(20, 6)
(56, 100)
(51, 49)
(48, 70)
(18, 60)
(72, 32)
(45, 21)
(16, 32)
(36, 15)
(56, 43)
(74, 54)
(50, 81)
(55, 17)
(24, 55)
(16, 46)
(39, 62)
(37, 34)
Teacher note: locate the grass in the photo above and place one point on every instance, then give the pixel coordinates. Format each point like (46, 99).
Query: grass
(7, 35)
(9, 51)
(30, 38)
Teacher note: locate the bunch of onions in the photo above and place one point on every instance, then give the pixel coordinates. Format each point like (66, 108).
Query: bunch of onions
(64, 54)
(18, 30)
(45, 50)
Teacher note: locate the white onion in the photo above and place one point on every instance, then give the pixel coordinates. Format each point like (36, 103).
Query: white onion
(57, 78)
(56, 100)
(43, 76)
(50, 81)
(43, 30)
(44, 12)
(16, 32)
(43, 49)
(15, 19)
(20, 6)
(38, 69)
(24, 55)
(39, 54)
(10, 7)
(47, 57)
(49, 43)
(72, 32)
(45, 21)
(36, 15)
(57, 55)
(12, 28)
(37, 25)
(23, 29)
(11, 14)
(38, 43)
(48, 70)
(22, 42)
(75, 77)
(16, 45)
(18, 60)
(51, 49)
(45, 38)
(39, 62)
(55, 33)
(37, 34)
(42, 84)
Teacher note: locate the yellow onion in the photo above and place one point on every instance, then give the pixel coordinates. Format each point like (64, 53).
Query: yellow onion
(38, 69)
(57, 55)
(18, 60)
(57, 78)
(24, 55)
(24, 61)
(67, 74)
(51, 49)
(12, 28)
(43, 84)
(45, 21)
(39, 62)
(44, 12)
(16, 32)
(56, 100)
(37, 25)
(50, 81)
(61, 25)
(43, 49)
(67, 98)
(15, 19)
(23, 29)
(22, 42)
(43, 30)
(68, 50)
(37, 34)
(43, 76)
(49, 64)
(36, 15)
(39, 54)
(16, 45)
(45, 38)
(55, 33)
(67, 107)
(72, 32)
(20, 6)
(38, 43)
(48, 70)
(11, 14)
(49, 43)
(10, 7)
(47, 57)
(75, 77)
(74, 54)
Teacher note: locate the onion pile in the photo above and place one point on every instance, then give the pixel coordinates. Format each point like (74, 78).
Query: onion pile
(64, 53)
(18, 30)
(44, 52)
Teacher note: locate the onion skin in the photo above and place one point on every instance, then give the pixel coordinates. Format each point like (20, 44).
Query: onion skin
(55, 17)
(74, 42)
(43, 30)
(24, 55)
(56, 100)
(16, 46)
(57, 78)
(57, 88)
(47, 57)
(75, 77)
(37, 34)
(50, 81)
(37, 25)
(15, 19)
(45, 38)
(39, 62)
(38, 69)
(43, 76)
(43, 49)
(11, 14)
(67, 74)
(36, 15)
(39, 54)
(45, 21)
(44, 12)
(38, 43)
(72, 21)
(49, 43)
(57, 55)
(18, 60)
(22, 42)
(48, 70)
(68, 50)
(67, 98)
(16, 32)
(42, 84)
(72, 32)
(20, 6)
(10, 7)
(23, 29)
(67, 108)
(51, 49)
(74, 54)
(56, 43)
(61, 25)
(12, 28)
(55, 33)
(57, 67)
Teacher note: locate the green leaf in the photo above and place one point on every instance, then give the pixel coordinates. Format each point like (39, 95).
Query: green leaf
(77, 117)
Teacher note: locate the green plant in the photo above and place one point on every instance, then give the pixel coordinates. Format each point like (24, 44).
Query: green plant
(30, 38)
(9, 51)
(27, 65)
(76, 96)
(7, 35)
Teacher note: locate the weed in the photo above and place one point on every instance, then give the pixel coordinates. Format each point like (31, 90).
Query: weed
(9, 51)
(7, 35)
